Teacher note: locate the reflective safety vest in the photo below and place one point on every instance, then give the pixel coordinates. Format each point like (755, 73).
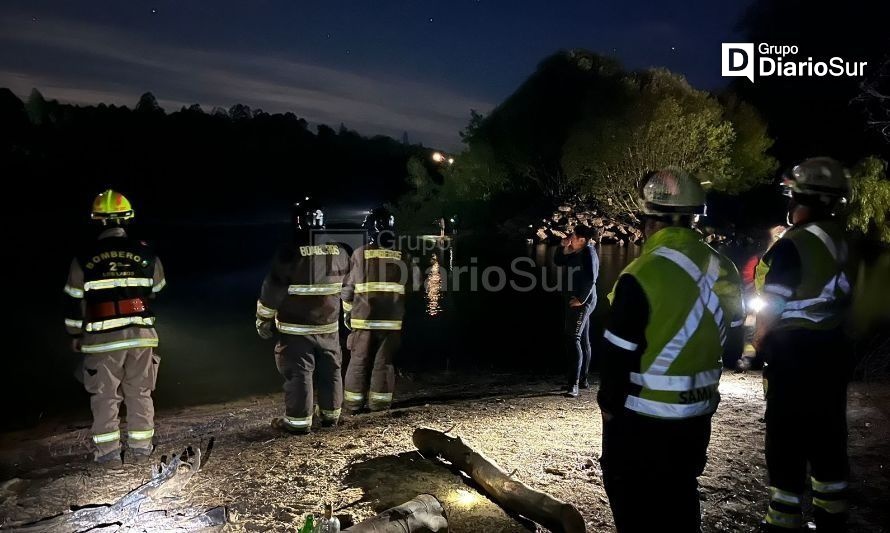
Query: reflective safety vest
(694, 296)
(118, 282)
(821, 299)
(375, 290)
(302, 291)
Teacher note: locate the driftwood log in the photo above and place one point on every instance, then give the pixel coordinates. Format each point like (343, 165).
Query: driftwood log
(423, 514)
(508, 492)
(126, 514)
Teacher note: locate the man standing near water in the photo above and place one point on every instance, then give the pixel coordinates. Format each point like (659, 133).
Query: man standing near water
(673, 309)
(300, 299)
(110, 286)
(804, 280)
(579, 254)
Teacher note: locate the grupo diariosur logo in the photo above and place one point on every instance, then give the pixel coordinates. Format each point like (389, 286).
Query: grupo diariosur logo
(739, 60)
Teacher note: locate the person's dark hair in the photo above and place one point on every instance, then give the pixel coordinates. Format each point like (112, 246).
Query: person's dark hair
(586, 232)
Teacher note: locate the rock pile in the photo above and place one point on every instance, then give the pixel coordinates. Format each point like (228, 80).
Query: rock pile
(563, 221)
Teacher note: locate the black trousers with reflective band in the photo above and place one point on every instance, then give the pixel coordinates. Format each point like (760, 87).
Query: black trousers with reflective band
(577, 334)
(307, 361)
(650, 470)
(806, 421)
(371, 376)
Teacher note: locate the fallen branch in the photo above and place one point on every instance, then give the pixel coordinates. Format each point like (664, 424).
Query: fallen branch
(510, 493)
(167, 481)
(423, 514)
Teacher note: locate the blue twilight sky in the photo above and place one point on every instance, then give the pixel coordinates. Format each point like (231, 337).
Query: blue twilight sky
(382, 66)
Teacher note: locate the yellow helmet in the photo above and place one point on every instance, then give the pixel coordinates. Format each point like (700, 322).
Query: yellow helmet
(111, 205)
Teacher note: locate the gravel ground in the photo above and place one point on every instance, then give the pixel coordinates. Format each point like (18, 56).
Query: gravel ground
(368, 464)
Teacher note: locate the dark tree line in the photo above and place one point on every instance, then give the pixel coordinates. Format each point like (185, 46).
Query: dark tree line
(230, 164)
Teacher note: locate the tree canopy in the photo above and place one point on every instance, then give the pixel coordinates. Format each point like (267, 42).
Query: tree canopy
(869, 211)
(581, 123)
(228, 164)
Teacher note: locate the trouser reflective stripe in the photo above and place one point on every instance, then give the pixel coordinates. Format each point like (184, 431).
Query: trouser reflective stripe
(784, 509)
(298, 422)
(330, 415)
(371, 366)
(72, 323)
(350, 396)
(347, 306)
(142, 434)
(107, 437)
(831, 506)
(784, 496)
(783, 520)
(310, 366)
(147, 342)
(834, 486)
(380, 397)
(830, 496)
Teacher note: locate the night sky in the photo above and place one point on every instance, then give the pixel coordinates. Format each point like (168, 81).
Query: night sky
(382, 66)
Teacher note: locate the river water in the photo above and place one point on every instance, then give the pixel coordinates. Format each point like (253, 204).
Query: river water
(209, 347)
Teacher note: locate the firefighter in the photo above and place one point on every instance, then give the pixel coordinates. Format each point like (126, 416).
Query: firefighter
(300, 299)
(805, 287)
(675, 309)
(110, 287)
(374, 303)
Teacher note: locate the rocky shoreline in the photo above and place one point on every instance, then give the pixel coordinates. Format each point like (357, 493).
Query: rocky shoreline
(563, 221)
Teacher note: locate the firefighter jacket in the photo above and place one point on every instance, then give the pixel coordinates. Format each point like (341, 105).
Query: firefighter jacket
(110, 287)
(374, 290)
(803, 277)
(301, 293)
(689, 296)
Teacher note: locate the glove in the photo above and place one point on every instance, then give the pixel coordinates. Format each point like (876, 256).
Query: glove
(264, 329)
(742, 365)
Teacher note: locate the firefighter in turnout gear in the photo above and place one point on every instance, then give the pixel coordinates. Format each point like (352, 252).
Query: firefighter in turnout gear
(675, 310)
(804, 283)
(374, 303)
(300, 299)
(110, 287)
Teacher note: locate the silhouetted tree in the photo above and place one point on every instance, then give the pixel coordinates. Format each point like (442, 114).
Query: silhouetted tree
(149, 104)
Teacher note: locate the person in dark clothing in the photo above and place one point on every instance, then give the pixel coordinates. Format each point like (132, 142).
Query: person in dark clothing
(579, 255)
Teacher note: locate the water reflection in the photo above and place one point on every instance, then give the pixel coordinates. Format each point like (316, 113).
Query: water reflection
(439, 271)
(434, 287)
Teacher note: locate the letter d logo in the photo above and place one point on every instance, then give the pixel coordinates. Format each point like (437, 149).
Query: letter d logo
(738, 60)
